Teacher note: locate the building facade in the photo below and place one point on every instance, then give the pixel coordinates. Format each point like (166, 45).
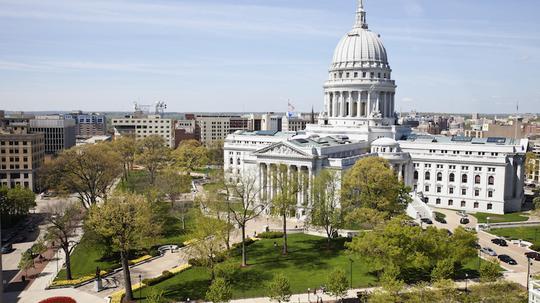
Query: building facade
(533, 175)
(359, 120)
(21, 155)
(89, 125)
(59, 132)
(142, 127)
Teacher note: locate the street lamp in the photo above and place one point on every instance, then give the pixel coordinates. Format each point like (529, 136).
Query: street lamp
(488, 221)
(529, 263)
(466, 280)
(308, 293)
(351, 260)
(140, 287)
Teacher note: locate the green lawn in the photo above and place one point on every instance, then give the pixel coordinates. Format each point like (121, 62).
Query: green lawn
(307, 266)
(513, 217)
(89, 255)
(531, 234)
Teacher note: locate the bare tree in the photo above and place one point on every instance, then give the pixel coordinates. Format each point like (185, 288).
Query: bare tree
(245, 192)
(64, 218)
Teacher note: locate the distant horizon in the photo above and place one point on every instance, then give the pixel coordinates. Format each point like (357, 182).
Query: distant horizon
(258, 55)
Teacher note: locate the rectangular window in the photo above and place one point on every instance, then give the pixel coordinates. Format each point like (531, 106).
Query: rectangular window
(463, 204)
(464, 191)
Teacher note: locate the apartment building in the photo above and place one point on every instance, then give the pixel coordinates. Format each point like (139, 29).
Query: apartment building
(144, 126)
(88, 125)
(21, 155)
(60, 132)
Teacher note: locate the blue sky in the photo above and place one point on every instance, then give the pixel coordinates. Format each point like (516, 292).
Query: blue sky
(253, 55)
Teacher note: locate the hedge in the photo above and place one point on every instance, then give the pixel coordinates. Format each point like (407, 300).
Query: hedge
(270, 235)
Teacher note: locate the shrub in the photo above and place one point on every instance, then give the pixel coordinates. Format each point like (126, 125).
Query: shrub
(535, 247)
(59, 300)
(270, 235)
(164, 276)
(248, 242)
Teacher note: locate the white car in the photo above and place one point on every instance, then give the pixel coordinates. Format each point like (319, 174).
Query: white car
(488, 251)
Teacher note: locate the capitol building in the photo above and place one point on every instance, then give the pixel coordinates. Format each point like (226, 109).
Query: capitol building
(359, 120)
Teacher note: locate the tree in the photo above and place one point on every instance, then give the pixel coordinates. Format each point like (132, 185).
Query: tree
(490, 271)
(286, 187)
(443, 270)
(207, 241)
(15, 203)
(126, 147)
(337, 284)
(325, 208)
(531, 163)
(246, 193)
(172, 184)
(64, 219)
(216, 205)
(279, 289)
(219, 292)
(371, 183)
(191, 154)
(500, 291)
(410, 248)
(153, 154)
(129, 220)
(215, 152)
(26, 262)
(89, 171)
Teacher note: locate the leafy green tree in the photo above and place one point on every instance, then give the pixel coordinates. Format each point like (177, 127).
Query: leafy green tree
(63, 220)
(26, 262)
(337, 283)
(279, 289)
(325, 207)
(172, 184)
(443, 270)
(500, 291)
(286, 187)
(207, 241)
(219, 292)
(89, 171)
(536, 203)
(371, 183)
(420, 293)
(191, 154)
(215, 152)
(153, 154)
(126, 148)
(129, 220)
(15, 203)
(531, 163)
(246, 193)
(446, 291)
(490, 271)
(227, 271)
(39, 247)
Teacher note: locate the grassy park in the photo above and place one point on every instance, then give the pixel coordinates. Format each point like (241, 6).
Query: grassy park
(530, 234)
(307, 266)
(511, 217)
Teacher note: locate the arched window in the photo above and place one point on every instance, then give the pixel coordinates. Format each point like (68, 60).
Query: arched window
(490, 206)
(415, 175)
(427, 175)
(450, 202)
(463, 204)
(464, 178)
(477, 179)
(452, 177)
(238, 161)
(439, 176)
(231, 161)
(491, 180)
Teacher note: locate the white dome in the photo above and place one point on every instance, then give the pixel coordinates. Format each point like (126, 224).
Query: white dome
(358, 47)
(385, 142)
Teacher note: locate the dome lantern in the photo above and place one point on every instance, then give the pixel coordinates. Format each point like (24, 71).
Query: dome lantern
(361, 16)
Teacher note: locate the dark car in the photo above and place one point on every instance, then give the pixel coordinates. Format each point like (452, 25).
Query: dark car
(499, 241)
(6, 249)
(507, 259)
(427, 221)
(464, 221)
(440, 220)
(533, 255)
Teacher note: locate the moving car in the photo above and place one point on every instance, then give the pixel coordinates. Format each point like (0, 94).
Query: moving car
(464, 220)
(499, 241)
(533, 255)
(427, 221)
(507, 259)
(6, 249)
(488, 251)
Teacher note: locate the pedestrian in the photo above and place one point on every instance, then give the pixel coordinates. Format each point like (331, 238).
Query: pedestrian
(275, 244)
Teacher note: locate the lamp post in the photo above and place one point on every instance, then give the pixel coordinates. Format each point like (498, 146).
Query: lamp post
(140, 287)
(466, 280)
(351, 260)
(528, 272)
(308, 293)
(487, 220)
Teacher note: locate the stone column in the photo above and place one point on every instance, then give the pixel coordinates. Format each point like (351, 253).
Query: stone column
(378, 102)
(359, 104)
(343, 104)
(351, 104)
(368, 109)
(400, 172)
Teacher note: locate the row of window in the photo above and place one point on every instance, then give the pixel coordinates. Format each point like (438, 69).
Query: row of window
(457, 152)
(347, 75)
(12, 143)
(463, 204)
(463, 191)
(452, 178)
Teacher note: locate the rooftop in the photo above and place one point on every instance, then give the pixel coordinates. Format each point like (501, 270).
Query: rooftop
(425, 138)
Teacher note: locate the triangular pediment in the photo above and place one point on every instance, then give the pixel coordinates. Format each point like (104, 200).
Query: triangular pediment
(282, 149)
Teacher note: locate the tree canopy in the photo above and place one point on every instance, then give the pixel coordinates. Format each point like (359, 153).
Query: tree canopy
(191, 154)
(326, 210)
(153, 154)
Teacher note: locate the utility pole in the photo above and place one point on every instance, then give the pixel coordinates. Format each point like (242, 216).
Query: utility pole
(528, 272)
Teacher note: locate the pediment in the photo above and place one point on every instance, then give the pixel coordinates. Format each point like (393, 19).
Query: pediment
(282, 149)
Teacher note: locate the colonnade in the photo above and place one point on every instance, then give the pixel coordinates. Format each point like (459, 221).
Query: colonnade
(357, 104)
(274, 178)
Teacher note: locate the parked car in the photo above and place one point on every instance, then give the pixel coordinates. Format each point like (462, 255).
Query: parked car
(464, 220)
(462, 213)
(507, 259)
(499, 241)
(427, 221)
(440, 219)
(6, 249)
(533, 255)
(488, 251)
